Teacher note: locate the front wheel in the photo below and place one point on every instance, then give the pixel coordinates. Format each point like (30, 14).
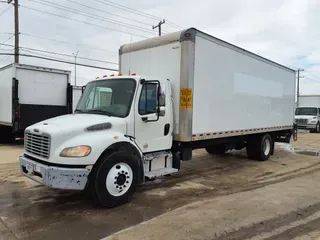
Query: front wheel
(116, 179)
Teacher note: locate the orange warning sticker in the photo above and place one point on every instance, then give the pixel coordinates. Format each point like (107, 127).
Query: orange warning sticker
(185, 98)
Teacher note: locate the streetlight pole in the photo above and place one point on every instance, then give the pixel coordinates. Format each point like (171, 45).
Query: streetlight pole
(75, 67)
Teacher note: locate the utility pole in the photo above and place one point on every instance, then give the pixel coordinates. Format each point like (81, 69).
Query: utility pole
(159, 26)
(298, 84)
(75, 67)
(16, 29)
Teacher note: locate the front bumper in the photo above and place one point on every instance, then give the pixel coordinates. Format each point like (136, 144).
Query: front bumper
(54, 177)
(307, 126)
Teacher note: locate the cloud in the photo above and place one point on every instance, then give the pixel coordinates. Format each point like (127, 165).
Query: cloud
(284, 31)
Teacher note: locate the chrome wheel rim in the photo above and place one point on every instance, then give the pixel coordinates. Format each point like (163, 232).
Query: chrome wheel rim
(119, 179)
(266, 147)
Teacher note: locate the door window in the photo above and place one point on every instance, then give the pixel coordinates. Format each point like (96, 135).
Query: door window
(148, 101)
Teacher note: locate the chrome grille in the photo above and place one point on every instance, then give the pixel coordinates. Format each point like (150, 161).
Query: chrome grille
(37, 144)
(302, 121)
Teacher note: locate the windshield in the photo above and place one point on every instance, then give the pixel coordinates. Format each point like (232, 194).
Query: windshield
(111, 97)
(306, 111)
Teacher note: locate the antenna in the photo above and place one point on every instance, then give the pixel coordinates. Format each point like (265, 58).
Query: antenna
(130, 55)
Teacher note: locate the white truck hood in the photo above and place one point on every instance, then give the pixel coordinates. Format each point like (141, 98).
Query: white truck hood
(304, 117)
(74, 124)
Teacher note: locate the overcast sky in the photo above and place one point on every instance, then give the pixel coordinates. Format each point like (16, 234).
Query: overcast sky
(284, 31)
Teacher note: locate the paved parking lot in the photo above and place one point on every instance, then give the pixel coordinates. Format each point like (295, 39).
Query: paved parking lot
(31, 211)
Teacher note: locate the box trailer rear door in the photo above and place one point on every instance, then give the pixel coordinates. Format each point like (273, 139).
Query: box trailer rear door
(42, 94)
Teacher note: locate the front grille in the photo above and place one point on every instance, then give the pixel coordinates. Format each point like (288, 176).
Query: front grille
(302, 121)
(37, 144)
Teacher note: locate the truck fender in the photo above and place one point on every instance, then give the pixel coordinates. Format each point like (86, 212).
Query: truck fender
(120, 143)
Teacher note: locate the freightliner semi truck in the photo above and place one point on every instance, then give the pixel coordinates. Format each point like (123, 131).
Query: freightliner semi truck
(175, 93)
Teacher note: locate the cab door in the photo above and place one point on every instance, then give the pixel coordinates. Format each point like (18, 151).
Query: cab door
(153, 116)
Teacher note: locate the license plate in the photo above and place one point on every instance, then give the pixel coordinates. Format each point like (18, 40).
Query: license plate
(29, 167)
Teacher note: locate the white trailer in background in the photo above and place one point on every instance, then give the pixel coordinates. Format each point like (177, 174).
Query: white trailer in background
(192, 91)
(29, 94)
(307, 114)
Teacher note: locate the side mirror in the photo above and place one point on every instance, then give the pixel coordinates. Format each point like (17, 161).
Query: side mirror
(162, 111)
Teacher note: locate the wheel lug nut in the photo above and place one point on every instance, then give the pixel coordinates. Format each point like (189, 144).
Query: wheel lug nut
(126, 173)
(127, 181)
(116, 186)
(115, 177)
(120, 188)
(122, 171)
(124, 186)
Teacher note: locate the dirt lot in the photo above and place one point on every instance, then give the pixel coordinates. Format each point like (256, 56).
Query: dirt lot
(32, 211)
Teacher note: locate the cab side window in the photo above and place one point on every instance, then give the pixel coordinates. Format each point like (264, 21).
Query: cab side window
(148, 101)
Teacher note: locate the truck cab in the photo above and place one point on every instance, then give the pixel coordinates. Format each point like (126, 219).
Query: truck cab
(119, 125)
(308, 117)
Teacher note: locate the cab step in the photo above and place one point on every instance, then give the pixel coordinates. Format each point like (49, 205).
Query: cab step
(160, 172)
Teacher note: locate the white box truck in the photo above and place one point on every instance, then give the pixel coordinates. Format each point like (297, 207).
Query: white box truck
(193, 91)
(307, 114)
(29, 94)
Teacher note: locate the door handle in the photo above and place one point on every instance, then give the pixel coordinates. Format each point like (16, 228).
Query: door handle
(144, 119)
(166, 129)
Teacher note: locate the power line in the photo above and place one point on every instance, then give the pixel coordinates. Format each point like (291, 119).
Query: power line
(61, 54)
(65, 42)
(109, 13)
(68, 55)
(137, 12)
(79, 12)
(7, 56)
(312, 79)
(76, 20)
(61, 61)
(5, 10)
(8, 39)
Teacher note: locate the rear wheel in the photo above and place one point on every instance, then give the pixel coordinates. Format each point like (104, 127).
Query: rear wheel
(317, 130)
(260, 147)
(217, 149)
(116, 179)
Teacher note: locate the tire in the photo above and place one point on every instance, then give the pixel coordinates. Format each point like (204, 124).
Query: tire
(260, 147)
(216, 149)
(115, 180)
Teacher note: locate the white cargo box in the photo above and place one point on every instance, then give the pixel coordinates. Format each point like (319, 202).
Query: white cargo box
(309, 101)
(29, 94)
(219, 89)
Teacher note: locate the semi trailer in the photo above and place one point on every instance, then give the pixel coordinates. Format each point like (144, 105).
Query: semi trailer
(174, 93)
(30, 94)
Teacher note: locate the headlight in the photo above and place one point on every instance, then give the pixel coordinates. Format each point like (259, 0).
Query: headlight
(77, 151)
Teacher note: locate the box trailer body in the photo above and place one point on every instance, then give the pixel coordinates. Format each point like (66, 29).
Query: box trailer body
(29, 94)
(307, 113)
(230, 90)
(193, 91)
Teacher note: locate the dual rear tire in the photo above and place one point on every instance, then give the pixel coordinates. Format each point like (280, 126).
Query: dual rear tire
(260, 147)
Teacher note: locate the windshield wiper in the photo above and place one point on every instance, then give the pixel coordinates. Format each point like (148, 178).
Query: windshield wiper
(78, 111)
(99, 111)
